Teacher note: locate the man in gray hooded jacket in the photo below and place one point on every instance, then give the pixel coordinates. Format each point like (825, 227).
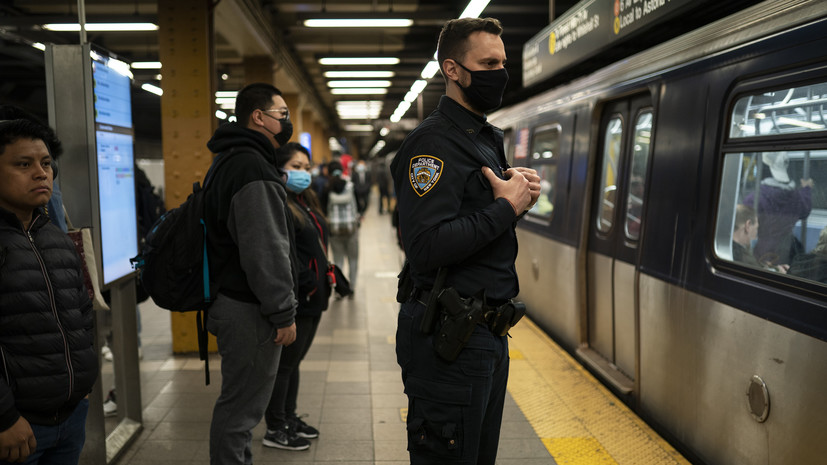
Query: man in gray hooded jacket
(249, 245)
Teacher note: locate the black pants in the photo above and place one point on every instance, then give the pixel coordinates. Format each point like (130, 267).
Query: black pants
(286, 389)
(454, 409)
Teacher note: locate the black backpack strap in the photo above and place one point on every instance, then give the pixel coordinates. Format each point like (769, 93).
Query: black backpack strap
(201, 331)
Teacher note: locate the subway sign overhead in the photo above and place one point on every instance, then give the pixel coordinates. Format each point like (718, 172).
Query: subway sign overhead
(590, 27)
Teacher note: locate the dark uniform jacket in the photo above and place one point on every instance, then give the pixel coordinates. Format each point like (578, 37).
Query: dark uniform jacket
(447, 212)
(47, 357)
(311, 252)
(249, 232)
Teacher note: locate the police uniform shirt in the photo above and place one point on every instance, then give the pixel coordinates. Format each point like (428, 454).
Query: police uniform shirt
(447, 212)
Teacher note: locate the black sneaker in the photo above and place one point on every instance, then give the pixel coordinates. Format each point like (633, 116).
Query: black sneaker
(284, 438)
(302, 429)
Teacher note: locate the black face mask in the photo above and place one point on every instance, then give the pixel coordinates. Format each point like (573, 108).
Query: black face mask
(485, 92)
(286, 131)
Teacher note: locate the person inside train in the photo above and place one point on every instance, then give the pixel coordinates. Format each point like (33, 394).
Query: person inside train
(285, 429)
(780, 206)
(812, 265)
(743, 233)
(46, 320)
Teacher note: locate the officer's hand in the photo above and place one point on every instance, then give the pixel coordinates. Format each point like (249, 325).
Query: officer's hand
(514, 189)
(17, 442)
(533, 182)
(285, 336)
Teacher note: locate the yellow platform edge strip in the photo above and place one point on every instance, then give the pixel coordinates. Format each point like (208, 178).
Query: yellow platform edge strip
(579, 421)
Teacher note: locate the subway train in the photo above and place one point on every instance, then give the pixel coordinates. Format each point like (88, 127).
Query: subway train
(633, 257)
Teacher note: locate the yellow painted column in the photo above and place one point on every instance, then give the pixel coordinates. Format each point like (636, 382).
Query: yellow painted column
(258, 68)
(185, 39)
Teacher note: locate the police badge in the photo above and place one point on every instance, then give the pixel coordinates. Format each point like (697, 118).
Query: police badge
(425, 171)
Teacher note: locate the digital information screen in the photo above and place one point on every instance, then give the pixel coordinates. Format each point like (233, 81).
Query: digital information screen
(116, 169)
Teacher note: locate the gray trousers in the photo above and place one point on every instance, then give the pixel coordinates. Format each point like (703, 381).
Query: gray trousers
(342, 247)
(249, 362)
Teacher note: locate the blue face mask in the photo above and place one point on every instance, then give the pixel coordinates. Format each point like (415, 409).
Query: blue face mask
(298, 180)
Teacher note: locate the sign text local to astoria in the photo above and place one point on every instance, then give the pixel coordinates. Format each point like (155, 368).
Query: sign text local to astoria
(590, 27)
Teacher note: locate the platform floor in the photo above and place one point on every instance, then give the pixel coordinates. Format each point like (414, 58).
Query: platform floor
(351, 390)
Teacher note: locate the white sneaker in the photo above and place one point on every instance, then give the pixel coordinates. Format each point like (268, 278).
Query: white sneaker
(107, 353)
(110, 408)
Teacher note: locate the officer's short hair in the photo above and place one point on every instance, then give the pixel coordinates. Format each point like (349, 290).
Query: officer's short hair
(253, 97)
(453, 39)
(13, 130)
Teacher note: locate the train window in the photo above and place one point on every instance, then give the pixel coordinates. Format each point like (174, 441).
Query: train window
(544, 155)
(612, 144)
(637, 176)
(783, 111)
(772, 212)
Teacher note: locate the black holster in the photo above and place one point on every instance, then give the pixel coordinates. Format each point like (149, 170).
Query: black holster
(459, 318)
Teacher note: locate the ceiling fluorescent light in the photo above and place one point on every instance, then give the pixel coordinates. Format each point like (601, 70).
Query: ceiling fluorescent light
(359, 61)
(226, 94)
(342, 84)
(359, 127)
(474, 8)
(146, 65)
(430, 70)
(358, 74)
(418, 86)
(153, 89)
(220, 114)
(358, 22)
(225, 100)
(360, 91)
(410, 96)
(39, 46)
(101, 27)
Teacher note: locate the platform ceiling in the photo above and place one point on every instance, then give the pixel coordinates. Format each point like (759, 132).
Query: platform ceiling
(245, 28)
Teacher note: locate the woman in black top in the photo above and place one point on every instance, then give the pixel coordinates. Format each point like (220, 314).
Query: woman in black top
(284, 429)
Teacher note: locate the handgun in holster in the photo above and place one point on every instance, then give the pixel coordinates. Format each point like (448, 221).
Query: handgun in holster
(459, 319)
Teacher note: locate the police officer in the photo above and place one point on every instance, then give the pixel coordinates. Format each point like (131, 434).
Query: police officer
(459, 203)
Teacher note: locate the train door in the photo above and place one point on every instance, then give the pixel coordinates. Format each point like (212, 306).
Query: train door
(614, 232)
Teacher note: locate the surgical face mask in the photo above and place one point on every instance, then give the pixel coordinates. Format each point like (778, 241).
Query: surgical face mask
(298, 180)
(485, 92)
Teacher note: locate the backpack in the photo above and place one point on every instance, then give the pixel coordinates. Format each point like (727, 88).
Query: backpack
(342, 212)
(173, 267)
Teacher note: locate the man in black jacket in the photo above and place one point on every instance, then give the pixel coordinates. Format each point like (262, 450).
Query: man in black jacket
(47, 358)
(249, 245)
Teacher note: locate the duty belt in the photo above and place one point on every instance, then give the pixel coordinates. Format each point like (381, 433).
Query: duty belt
(499, 315)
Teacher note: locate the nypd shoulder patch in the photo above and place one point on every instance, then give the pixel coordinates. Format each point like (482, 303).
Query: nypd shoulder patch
(424, 172)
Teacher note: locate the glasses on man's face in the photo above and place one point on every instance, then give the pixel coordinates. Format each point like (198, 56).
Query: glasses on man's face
(285, 113)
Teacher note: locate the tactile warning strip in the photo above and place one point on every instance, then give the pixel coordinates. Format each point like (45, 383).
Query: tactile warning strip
(578, 419)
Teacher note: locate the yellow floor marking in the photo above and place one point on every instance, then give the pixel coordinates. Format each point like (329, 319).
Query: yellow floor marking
(569, 409)
(578, 451)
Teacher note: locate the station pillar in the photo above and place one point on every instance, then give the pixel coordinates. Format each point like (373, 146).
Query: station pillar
(258, 68)
(185, 38)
